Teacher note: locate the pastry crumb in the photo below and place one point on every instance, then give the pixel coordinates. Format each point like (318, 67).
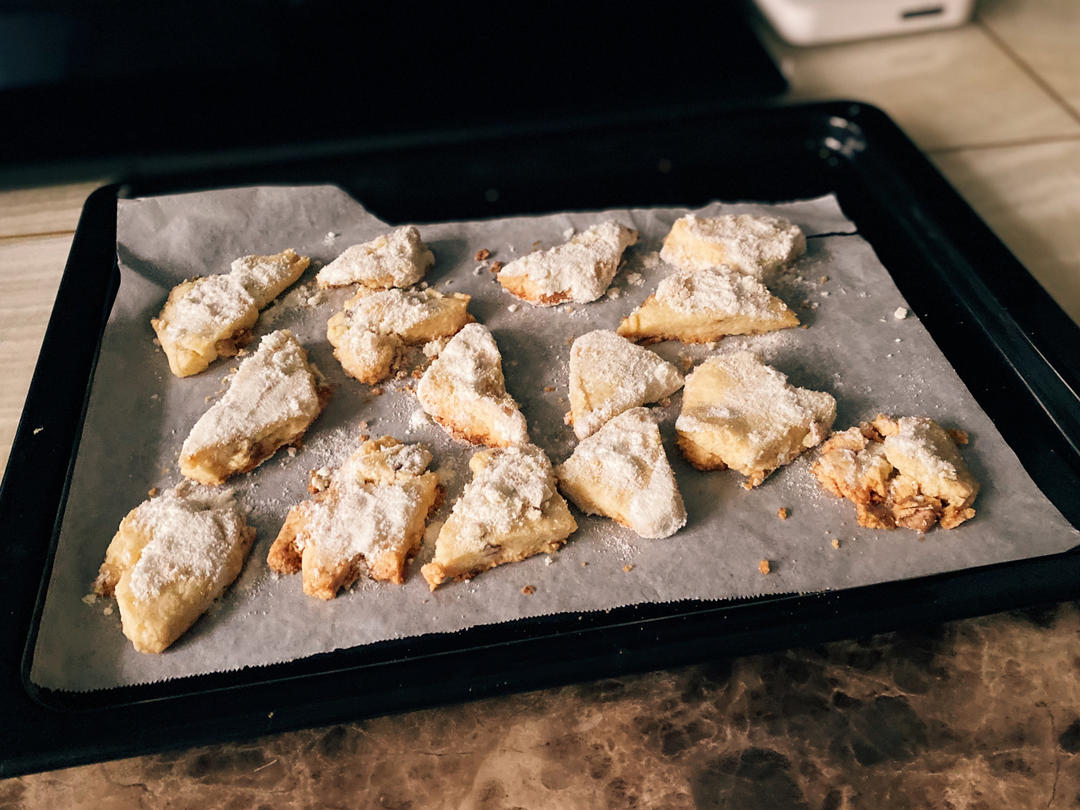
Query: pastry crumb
(900, 313)
(782, 513)
(628, 568)
(529, 590)
(152, 492)
(835, 543)
(548, 389)
(583, 563)
(496, 267)
(483, 255)
(764, 567)
(823, 279)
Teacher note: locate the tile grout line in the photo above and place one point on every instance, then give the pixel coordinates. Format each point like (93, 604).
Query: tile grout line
(39, 235)
(1028, 70)
(1043, 141)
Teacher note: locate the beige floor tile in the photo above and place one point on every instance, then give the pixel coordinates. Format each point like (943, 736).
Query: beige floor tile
(30, 271)
(1045, 35)
(944, 88)
(1030, 197)
(49, 210)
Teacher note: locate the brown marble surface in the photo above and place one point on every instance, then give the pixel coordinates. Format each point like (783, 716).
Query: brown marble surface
(979, 713)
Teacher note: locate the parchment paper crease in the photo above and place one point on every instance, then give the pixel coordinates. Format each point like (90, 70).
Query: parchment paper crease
(139, 415)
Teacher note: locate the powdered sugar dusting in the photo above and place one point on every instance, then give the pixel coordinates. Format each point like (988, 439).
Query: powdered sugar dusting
(395, 259)
(192, 531)
(581, 268)
(609, 374)
(272, 385)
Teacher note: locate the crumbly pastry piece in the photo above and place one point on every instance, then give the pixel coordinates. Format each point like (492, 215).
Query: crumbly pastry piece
(273, 398)
(373, 329)
(899, 472)
(369, 514)
(751, 243)
(609, 375)
(739, 412)
(210, 317)
(579, 270)
(509, 511)
(172, 556)
(395, 259)
(621, 471)
(464, 391)
(701, 306)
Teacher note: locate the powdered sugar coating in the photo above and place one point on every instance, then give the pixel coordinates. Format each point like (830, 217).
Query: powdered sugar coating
(512, 489)
(922, 441)
(192, 532)
(715, 290)
(469, 370)
(273, 385)
(738, 410)
(579, 270)
(622, 471)
(212, 303)
(368, 513)
(609, 374)
(752, 243)
(395, 259)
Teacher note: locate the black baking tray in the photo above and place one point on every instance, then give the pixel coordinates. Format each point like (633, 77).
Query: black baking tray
(1012, 345)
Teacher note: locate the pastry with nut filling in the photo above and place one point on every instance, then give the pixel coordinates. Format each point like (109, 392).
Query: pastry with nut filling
(395, 259)
(172, 556)
(904, 472)
(740, 413)
(368, 515)
(510, 510)
(212, 316)
(754, 244)
(578, 270)
(464, 391)
(272, 399)
(702, 306)
(622, 472)
(609, 375)
(371, 332)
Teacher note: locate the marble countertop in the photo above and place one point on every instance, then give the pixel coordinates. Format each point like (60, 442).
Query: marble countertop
(978, 713)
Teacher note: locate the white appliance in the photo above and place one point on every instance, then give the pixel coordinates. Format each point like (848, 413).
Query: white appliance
(814, 22)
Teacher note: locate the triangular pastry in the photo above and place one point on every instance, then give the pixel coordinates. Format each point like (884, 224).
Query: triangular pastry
(212, 316)
(172, 556)
(621, 471)
(369, 334)
(579, 270)
(609, 375)
(739, 412)
(370, 513)
(754, 244)
(899, 472)
(272, 399)
(701, 306)
(464, 391)
(509, 511)
(395, 259)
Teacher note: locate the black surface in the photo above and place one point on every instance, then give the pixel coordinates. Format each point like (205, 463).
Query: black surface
(103, 89)
(1003, 334)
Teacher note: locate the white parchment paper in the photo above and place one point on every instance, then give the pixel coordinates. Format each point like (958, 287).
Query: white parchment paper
(139, 414)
